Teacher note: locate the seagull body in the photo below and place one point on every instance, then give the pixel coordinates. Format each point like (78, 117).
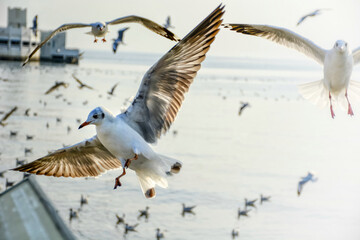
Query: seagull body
(72, 214)
(130, 227)
(123, 140)
(264, 199)
(309, 177)
(119, 39)
(83, 200)
(100, 29)
(243, 212)
(338, 64)
(187, 209)
(159, 234)
(234, 233)
(312, 14)
(250, 203)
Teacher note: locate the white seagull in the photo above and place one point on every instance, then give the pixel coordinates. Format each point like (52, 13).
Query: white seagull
(123, 140)
(338, 64)
(119, 39)
(309, 177)
(312, 14)
(100, 29)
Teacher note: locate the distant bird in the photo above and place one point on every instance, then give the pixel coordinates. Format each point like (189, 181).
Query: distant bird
(111, 92)
(7, 115)
(159, 234)
(100, 29)
(250, 203)
(120, 219)
(58, 119)
(8, 183)
(73, 214)
(167, 23)
(29, 137)
(243, 106)
(47, 125)
(27, 112)
(13, 133)
(312, 14)
(338, 63)
(82, 85)
(83, 200)
(144, 213)
(119, 39)
(234, 233)
(243, 212)
(68, 129)
(56, 86)
(187, 209)
(124, 140)
(20, 162)
(130, 228)
(309, 177)
(264, 199)
(34, 27)
(27, 150)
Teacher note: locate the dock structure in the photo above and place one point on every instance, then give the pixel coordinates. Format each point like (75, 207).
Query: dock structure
(27, 213)
(17, 41)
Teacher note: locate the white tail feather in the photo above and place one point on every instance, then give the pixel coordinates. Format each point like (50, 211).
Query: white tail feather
(315, 92)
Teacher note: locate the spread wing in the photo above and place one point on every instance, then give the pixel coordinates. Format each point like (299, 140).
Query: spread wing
(148, 24)
(163, 87)
(282, 36)
(356, 55)
(62, 28)
(87, 158)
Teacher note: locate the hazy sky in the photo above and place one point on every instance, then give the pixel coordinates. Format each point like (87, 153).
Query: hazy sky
(341, 22)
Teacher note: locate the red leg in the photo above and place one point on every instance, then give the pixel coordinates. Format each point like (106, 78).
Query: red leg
(350, 111)
(104, 40)
(95, 41)
(117, 181)
(127, 163)
(331, 107)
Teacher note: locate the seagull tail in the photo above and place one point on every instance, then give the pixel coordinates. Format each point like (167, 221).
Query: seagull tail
(315, 92)
(154, 172)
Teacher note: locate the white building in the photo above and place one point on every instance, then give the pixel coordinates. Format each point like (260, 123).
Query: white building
(17, 41)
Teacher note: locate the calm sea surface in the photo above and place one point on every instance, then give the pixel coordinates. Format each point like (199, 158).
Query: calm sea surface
(226, 157)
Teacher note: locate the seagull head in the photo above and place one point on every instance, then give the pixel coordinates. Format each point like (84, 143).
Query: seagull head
(95, 117)
(341, 46)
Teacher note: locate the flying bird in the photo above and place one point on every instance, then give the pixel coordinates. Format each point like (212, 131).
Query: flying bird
(111, 92)
(242, 107)
(243, 212)
(120, 219)
(144, 213)
(56, 86)
(250, 203)
(123, 140)
(100, 29)
(234, 234)
(188, 209)
(167, 24)
(130, 228)
(264, 199)
(82, 85)
(338, 63)
(307, 178)
(72, 214)
(159, 234)
(34, 27)
(7, 115)
(119, 39)
(312, 14)
(83, 200)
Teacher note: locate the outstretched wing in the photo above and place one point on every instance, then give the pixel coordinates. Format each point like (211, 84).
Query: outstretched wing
(87, 158)
(163, 87)
(282, 36)
(62, 28)
(356, 55)
(148, 24)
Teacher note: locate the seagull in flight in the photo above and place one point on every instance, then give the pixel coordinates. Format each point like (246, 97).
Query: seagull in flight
(123, 141)
(100, 29)
(312, 14)
(56, 86)
(338, 63)
(167, 24)
(309, 177)
(7, 115)
(119, 39)
(82, 85)
(35, 25)
(111, 91)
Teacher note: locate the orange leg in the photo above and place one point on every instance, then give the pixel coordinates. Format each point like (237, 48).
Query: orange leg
(350, 111)
(104, 40)
(127, 164)
(95, 41)
(331, 107)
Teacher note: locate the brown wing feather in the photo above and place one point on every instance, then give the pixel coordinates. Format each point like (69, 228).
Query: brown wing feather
(163, 87)
(87, 158)
(153, 26)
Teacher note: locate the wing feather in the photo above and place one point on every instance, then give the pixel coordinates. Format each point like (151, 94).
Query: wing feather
(356, 55)
(87, 158)
(62, 28)
(162, 89)
(148, 24)
(282, 36)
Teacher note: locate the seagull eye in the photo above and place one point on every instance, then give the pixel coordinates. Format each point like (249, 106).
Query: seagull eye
(95, 116)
